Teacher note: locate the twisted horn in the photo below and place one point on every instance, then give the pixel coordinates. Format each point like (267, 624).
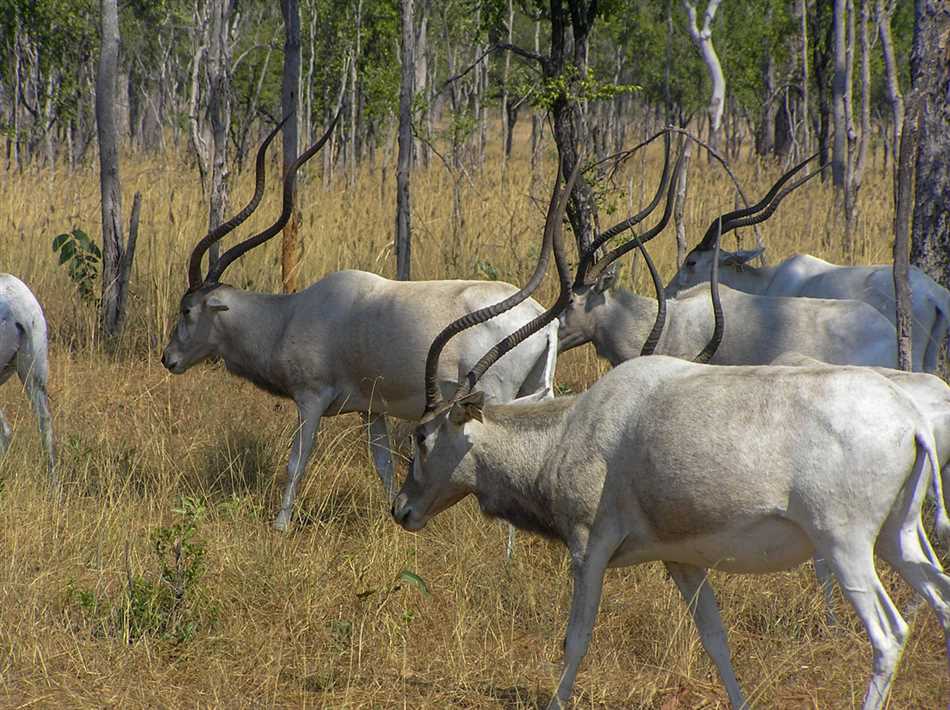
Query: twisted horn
(770, 210)
(238, 250)
(707, 352)
(194, 261)
(597, 269)
(649, 345)
(588, 257)
(726, 221)
(433, 395)
(564, 296)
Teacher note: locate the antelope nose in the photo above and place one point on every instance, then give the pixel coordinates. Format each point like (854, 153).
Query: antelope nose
(168, 362)
(401, 509)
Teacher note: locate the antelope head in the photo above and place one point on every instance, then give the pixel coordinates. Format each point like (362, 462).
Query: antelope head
(595, 278)
(699, 261)
(442, 470)
(203, 310)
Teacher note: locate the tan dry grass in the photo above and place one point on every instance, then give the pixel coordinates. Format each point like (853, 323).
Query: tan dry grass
(317, 618)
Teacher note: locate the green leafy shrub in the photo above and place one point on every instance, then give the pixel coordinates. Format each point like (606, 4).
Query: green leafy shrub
(171, 605)
(82, 259)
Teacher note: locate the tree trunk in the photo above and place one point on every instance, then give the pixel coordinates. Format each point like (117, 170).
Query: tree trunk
(219, 111)
(891, 80)
(702, 39)
(406, 90)
(903, 201)
(679, 205)
(930, 76)
(112, 306)
(568, 119)
(291, 248)
(839, 97)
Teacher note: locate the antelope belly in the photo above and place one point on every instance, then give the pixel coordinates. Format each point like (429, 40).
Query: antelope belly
(769, 545)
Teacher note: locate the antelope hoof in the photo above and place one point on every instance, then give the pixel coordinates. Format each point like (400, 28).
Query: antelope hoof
(283, 521)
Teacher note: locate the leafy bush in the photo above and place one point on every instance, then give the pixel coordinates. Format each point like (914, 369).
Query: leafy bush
(82, 258)
(171, 605)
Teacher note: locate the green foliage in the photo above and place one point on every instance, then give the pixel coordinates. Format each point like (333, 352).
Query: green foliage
(82, 258)
(571, 86)
(485, 268)
(170, 605)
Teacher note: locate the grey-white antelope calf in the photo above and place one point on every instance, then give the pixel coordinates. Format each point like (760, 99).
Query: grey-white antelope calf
(742, 469)
(352, 342)
(23, 350)
(803, 275)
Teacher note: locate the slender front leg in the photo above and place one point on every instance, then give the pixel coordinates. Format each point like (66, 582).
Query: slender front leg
(695, 589)
(5, 433)
(309, 409)
(40, 402)
(588, 571)
(826, 580)
(381, 450)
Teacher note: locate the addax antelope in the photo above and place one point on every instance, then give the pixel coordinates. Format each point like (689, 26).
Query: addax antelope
(623, 325)
(803, 275)
(23, 350)
(698, 466)
(352, 342)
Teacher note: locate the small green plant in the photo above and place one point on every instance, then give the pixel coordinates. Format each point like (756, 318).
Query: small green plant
(82, 259)
(487, 269)
(171, 605)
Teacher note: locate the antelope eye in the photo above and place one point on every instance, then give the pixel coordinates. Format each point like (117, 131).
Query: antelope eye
(185, 312)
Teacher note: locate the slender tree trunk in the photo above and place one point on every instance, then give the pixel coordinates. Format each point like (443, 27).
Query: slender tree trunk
(568, 119)
(406, 90)
(806, 125)
(930, 77)
(112, 305)
(702, 39)
(891, 81)
(291, 247)
(903, 202)
(506, 123)
(219, 111)
(839, 97)
(679, 206)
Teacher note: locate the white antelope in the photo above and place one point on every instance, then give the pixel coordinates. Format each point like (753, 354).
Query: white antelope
(741, 469)
(623, 325)
(808, 276)
(23, 350)
(352, 342)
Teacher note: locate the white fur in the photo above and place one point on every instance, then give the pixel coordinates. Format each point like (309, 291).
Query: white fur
(742, 469)
(757, 328)
(355, 342)
(804, 275)
(23, 350)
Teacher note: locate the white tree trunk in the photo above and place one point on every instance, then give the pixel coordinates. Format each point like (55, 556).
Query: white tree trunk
(702, 39)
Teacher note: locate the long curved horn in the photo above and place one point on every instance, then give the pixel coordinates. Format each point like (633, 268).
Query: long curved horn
(238, 250)
(194, 261)
(649, 345)
(597, 269)
(707, 352)
(433, 395)
(770, 210)
(726, 222)
(564, 296)
(588, 257)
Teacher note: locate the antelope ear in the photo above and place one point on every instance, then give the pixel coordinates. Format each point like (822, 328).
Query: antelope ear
(739, 258)
(215, 303)
(606, 280)
(469, 407)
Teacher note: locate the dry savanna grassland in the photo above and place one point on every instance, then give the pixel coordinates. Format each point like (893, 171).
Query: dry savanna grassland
(158, 581)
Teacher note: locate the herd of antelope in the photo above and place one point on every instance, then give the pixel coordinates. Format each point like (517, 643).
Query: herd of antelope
(773, 432)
